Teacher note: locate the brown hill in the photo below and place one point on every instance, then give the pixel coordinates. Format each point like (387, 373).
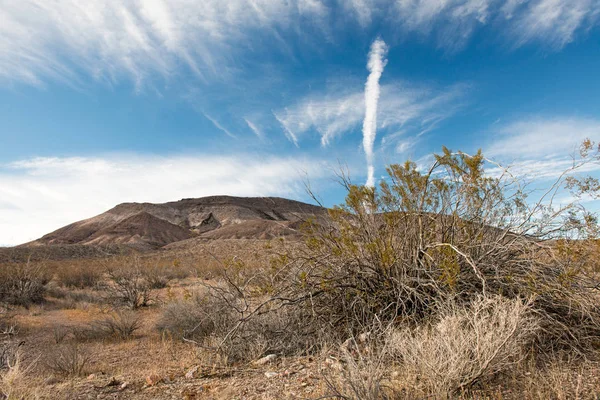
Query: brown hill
(147, 225)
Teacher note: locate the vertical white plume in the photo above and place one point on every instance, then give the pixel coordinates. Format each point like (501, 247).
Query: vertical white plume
(375, 66)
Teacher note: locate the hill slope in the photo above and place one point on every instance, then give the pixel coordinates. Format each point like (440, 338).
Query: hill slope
(148, 225)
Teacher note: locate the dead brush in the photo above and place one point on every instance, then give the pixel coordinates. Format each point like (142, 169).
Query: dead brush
(70, 360)
(129, 286)
(359, 374)
(23, 284)
(16, 382)
(463, 346)
(79, 276)
(120, 325)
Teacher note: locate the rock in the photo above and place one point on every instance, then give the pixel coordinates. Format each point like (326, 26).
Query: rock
(191, 374)
(113, 382)
(153, 380)
(266, 359)
(270, 374)
(124, 386)
(91, 376)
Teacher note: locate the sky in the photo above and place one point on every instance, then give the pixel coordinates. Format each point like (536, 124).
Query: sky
(116, 101)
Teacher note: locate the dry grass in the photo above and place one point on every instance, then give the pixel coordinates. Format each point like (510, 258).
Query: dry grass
(464, 346)
(16, 382)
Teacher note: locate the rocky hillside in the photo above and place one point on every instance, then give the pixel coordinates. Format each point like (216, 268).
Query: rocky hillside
(147, 225)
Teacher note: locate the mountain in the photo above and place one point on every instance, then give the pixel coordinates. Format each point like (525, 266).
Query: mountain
(151, 226)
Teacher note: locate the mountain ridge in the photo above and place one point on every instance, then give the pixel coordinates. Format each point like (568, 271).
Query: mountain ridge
(155, 225)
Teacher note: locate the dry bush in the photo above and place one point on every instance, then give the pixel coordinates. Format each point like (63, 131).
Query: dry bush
(9, 347)
(158, 277)
(60, 333)
(361, 374)
(120, 325)
(451, 249)
(78, 276)
(75, 298)
(23, 284)
(464, 346)
(67, 360)
(395, 253)
(129, 286)
(16, 383)
(558, 379)
(223, 320)
(7, 324)
(195, 318)
(9, 353)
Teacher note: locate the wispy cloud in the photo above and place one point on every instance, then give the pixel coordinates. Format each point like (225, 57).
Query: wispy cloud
(336, 112)
(218, 125)
(554, 22)
(42, 194)
(540, 147)
(541, 137)
(109, 40)
(254, 128)
(454, 21)
(375, 65)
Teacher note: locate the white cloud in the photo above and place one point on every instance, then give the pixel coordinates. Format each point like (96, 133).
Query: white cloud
(219, 126)
(254, 128)
(334, 113)
(554, 22)
(70, 40)
(107, 39)
(455, 19)
(541, 148)
(42, 194)
(542, 137)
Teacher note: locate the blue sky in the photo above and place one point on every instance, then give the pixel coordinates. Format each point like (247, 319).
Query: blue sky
(152, 100)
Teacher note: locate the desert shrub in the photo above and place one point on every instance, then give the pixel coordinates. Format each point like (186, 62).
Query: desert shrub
(129, 287)
(396, 255)
(23, 284)
(9, 353)
(195, 318)
(74, 298)
(120, 325)
(239, 330)
(360, 375)
(16, 382)
(60, 333)
(453, 231)
(78, 276)
(67, 360)
(7, 324)
(157, 277)
(464, 345)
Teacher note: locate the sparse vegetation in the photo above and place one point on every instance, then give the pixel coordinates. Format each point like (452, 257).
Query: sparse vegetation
(129, 286)
(464, 346)
(23, 284)
(69, 360)
(448, 282)
(74, 276)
